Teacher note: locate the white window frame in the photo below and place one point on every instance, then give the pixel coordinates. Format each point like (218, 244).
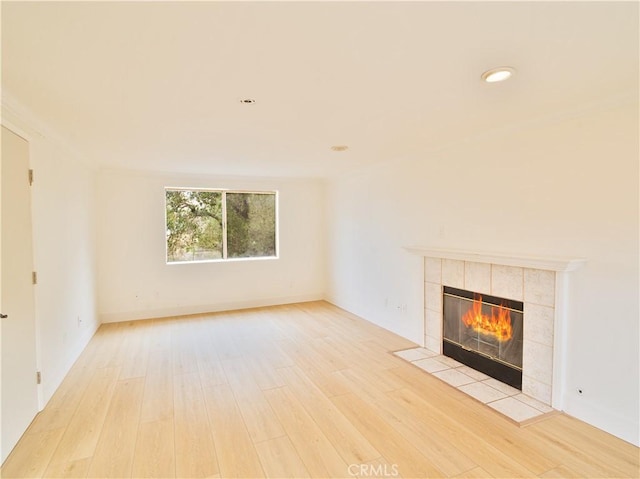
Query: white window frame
(224, 192)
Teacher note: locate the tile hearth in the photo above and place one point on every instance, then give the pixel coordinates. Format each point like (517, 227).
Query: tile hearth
(504, 399)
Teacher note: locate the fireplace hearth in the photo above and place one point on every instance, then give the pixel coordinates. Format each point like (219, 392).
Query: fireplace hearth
(484, 332)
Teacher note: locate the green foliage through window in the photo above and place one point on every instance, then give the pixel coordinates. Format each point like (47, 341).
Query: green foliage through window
(196, 225)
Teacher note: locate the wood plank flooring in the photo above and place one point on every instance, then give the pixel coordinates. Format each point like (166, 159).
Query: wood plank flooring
(304, 390)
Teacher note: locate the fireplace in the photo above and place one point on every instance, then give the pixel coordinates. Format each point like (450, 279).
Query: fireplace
(484, 332)
(541, 283)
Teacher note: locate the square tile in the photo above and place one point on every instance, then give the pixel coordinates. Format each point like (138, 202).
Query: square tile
(538, 324)
(477, 375)
(430, 365)
(452, 363)
(477, 277)
(453, 273)
(502, 387)
(433, 296)
(540, 287)
(428, 353)
(453, 377)
(536, 389)
(537, 361)
(482, 392)
(507, 282)
(540, 406)
(433, 270)
(433, 323)
(514, 409)
(411, 354)
(432, 343)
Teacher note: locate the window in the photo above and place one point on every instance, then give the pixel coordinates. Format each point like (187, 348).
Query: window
(207, 225)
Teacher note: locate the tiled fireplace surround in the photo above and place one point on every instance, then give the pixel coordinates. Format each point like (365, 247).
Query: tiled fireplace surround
(541, 283)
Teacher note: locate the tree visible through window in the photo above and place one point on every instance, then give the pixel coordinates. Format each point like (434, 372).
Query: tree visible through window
(205, 225)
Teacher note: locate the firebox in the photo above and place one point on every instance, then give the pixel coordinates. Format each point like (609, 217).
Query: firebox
(484, 332)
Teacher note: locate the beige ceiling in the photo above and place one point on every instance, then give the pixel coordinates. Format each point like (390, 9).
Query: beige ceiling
(157, 85)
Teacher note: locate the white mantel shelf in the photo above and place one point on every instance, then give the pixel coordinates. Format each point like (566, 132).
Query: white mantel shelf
(533, 262)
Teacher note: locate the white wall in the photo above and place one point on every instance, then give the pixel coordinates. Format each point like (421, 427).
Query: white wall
(64, 257)
(561, 188)
(135, 282)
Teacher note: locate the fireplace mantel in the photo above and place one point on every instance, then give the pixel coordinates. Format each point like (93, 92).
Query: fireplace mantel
(534, 262)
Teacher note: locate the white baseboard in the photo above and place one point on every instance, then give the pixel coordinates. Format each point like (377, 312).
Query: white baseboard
(205, 308)
(623, 427)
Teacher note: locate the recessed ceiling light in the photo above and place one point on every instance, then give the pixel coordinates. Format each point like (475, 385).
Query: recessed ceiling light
(340, 148)
(247, 101)
(498, 74)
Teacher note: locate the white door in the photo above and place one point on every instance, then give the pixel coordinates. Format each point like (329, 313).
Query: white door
(19, 394)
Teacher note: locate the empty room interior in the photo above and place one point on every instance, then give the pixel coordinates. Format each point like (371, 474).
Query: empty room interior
(320, 239)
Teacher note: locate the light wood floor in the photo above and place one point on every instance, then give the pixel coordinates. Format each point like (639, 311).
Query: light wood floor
(304, 390)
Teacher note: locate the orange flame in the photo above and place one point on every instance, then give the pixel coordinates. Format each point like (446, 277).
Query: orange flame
(497, 325)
